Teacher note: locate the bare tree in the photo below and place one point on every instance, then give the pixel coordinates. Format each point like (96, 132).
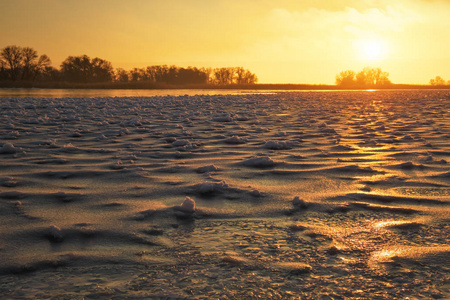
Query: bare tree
(240, 75)
(42, 66)
(12, 58)
(121, 75)
(223, 76)
(29, 59)
(208, 72)
(381, 78)
(249, 78)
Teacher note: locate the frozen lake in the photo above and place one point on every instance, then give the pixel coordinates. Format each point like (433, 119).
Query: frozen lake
(236, 196)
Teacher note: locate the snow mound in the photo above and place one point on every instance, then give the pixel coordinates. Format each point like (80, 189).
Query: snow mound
(180, 143)
(222, 118)
(206, 169)
(256, 193)
(259, 162)
(277, 145)
(8, 148)
(235, 140)
(186, 209)
(298, 203)
(54, 234)
(184, 145)
(188, 205)
(211, 187)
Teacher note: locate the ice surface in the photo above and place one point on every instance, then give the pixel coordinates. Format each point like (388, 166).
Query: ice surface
(286, 195)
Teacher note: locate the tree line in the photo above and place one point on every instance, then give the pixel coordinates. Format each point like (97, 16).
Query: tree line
(366, 78)
(439, 81)
(25, 65)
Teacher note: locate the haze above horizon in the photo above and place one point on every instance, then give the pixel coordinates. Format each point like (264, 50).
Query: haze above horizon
(283, 41)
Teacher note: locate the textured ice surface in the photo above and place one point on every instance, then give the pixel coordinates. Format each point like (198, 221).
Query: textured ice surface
(286, 195)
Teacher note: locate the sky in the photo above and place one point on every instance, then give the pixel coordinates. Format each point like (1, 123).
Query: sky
(283, 41)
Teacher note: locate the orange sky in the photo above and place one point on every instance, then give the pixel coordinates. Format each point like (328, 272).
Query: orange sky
(283, 41)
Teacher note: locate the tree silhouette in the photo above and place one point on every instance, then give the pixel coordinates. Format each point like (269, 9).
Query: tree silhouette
(438, 80)
(83, 69)
(102, 70)
(29, 56)
(12, 58)
(24, 64)
(121, 75)
(76, 68)
(43, 67)
(223, 76)
(367, 78)
(19, 63)
(244, 76)
(346, 78)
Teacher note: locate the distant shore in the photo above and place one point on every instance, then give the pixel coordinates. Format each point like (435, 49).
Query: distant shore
(258, 86)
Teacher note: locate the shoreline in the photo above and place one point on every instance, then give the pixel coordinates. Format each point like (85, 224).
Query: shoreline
(259, 86)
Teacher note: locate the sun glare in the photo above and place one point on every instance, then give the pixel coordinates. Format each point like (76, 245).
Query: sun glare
(371, 49)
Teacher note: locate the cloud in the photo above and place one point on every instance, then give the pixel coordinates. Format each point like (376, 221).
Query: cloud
(327, 34)
(393, 18)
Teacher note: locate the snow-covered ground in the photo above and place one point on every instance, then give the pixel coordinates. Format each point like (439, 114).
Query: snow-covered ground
(276, 196)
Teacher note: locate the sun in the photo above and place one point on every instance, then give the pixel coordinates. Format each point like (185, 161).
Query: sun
(371, 49)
